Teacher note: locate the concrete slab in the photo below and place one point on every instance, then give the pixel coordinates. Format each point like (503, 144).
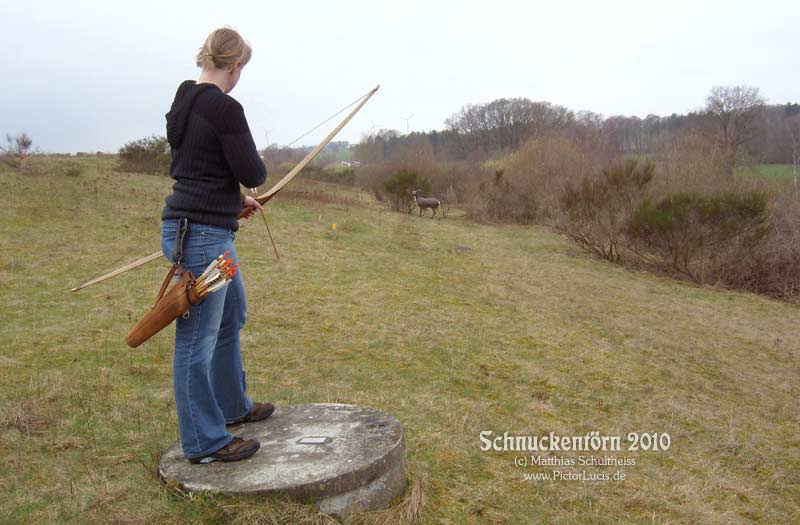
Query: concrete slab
(344, 458)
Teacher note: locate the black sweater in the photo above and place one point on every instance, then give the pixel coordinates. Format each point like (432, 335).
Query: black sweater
(212, 153)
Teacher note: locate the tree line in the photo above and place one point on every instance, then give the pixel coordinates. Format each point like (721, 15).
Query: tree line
(737, 116)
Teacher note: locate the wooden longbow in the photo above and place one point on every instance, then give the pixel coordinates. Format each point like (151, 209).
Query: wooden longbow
(263, 198)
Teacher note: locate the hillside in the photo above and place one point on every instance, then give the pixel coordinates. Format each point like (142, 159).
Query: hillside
(453, 327)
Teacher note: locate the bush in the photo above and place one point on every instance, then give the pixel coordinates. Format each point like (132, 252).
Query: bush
(17, 150)
(699, 236)
(450, 197)
(524, 187)
(285, 167)
(596, 211)
(371, 177)
(339, 175)
(775, 268)
(690, 162)
(147, 155)
(333, 173)
(498, 200)
(398, 190)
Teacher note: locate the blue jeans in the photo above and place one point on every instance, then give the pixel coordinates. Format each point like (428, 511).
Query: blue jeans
(208, 378)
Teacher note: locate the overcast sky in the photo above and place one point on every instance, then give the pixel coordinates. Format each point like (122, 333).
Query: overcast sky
(92, 75)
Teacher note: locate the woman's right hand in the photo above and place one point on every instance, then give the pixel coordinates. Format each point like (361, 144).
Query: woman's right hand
(250, 206)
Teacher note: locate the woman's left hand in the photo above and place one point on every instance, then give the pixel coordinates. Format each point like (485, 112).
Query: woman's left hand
(250, 206)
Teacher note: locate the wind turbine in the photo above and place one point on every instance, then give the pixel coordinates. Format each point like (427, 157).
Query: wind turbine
(407, 119)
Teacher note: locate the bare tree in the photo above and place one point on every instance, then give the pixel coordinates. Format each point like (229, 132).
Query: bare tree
(734, 112)
(17, 150)
(505, 123)
(792, 124)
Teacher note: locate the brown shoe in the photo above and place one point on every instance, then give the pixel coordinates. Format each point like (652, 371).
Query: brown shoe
(258, 412)
(237, 449)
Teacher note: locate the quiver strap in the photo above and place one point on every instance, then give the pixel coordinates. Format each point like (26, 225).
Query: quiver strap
(169, 304)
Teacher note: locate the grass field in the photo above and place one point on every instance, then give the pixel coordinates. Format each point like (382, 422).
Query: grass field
(775, 172)
(453, 327)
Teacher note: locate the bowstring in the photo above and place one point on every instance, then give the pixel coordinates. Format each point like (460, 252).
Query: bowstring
(127, 256)
(353, 103)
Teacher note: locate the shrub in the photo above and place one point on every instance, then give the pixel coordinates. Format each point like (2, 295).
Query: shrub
(524, 187)
(690, 162)
(450, 197)
(18, 149)
(398, 189)
(699, 236)
(776, 269)
(346, 176)
(371, 178)
(285, 167)
(450, 181)
(147, 155)
(595, 212)
(498, 200)
(334, 173)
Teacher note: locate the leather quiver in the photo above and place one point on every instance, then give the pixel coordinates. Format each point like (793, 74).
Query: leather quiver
(168, 306)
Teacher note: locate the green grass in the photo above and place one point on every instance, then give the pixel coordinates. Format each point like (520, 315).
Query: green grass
(775, 172)
(451, 326)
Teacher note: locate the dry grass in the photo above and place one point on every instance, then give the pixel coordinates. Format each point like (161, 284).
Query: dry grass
(452, 327)
(407, 510)
(323, 197)
(23, 415)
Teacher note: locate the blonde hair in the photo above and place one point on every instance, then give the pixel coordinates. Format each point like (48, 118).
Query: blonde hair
(223, 48)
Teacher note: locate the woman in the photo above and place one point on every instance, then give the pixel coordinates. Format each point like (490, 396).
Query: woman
(213, 153)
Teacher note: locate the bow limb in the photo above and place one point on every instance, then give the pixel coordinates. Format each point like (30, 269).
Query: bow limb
(118, 271)
(263, 198)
